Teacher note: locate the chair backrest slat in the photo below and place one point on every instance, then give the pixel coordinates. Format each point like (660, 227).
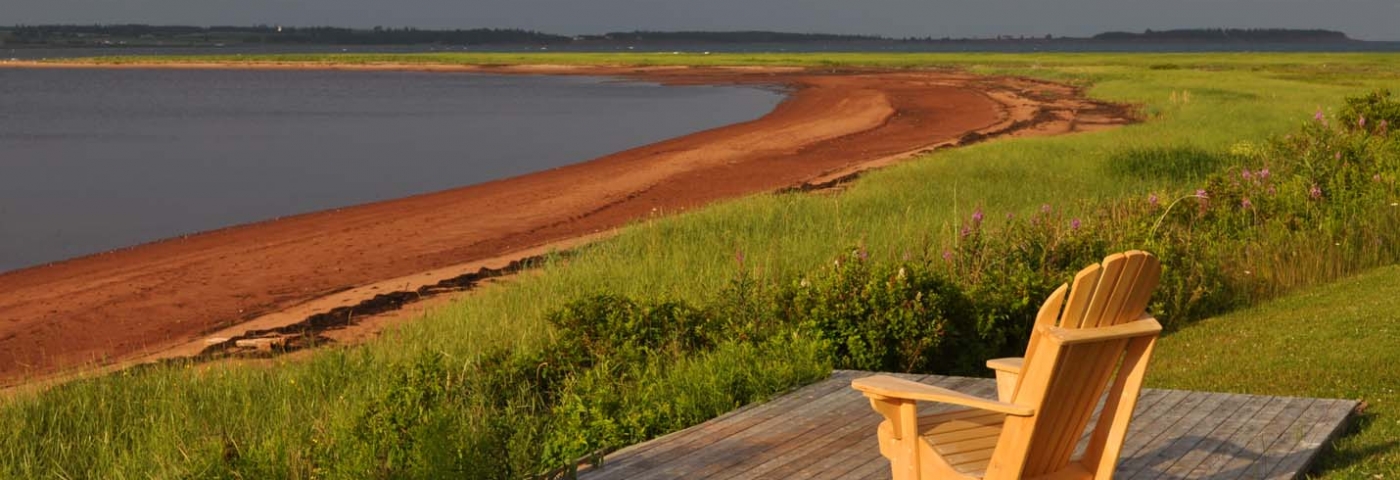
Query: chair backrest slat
(1122, 290)
(1103, 290)
(1148, 278)
(1048, 316)
(1081, 292)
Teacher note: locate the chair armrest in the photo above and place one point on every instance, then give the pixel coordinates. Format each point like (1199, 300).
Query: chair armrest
(1144, 326)
(1008, 364)
(898, 388)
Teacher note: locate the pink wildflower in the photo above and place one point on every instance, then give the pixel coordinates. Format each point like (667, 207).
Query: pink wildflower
(1263, 174)
(1315, 192)
(1045, 208)
(977, 216)
(1246, 204)
(1152, 200)
(1074, 224)
(1361, 121)
(1245, 174)
(947, 255)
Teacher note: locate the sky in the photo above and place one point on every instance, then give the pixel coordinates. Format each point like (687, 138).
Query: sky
(1363, 19)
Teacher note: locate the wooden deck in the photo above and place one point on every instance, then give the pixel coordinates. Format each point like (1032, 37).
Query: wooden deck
(827, 430)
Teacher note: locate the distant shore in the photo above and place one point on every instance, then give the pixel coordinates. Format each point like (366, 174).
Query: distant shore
(162, 299)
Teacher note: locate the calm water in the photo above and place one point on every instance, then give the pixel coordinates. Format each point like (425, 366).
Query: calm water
(92, 160)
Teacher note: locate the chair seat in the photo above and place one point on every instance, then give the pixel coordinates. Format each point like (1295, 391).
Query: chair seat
(964, 439)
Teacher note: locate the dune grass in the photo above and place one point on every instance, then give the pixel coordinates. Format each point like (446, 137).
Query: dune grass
(337, 414)
(1335, 341)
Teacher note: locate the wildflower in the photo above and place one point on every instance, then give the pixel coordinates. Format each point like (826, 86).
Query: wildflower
(977, 217)
(1376, 177)
(1383, 126)
(862, 254)
(947, 255)
(1010, 216)
(1201, 193)
(1315, 192)
(1246, 204)
(1263, 174)
(1152, 200)
(965, 231)
(1045, 208)
(1074, 224)
(1361, 121)
(1337, 156)
(1318, 116)
(1244, 174)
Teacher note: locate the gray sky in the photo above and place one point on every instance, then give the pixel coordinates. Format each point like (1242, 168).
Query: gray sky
(1365, 19)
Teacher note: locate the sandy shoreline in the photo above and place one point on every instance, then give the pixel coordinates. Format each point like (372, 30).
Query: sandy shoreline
(162, 299)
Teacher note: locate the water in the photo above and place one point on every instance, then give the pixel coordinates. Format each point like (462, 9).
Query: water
(92, 160)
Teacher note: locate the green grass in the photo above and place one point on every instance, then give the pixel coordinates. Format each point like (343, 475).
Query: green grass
(1341, 340)
(308, 418)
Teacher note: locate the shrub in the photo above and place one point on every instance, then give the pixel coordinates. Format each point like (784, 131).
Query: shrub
(880, 316)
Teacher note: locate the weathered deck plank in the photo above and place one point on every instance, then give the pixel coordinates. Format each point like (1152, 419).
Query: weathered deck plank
(827, 430)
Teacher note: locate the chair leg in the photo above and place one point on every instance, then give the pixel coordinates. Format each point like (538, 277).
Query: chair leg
(899, 435)
(1006, 385)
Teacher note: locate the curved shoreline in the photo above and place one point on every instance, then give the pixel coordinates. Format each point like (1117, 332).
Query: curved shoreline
(159, 299)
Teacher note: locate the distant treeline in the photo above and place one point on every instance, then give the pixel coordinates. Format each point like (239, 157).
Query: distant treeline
(1270, 35)
(135, 34)
(90, 34)
(728, 37)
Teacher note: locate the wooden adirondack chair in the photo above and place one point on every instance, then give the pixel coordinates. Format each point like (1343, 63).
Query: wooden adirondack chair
(1046, 402)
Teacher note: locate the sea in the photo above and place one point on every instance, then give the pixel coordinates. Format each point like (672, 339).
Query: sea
(93, 160)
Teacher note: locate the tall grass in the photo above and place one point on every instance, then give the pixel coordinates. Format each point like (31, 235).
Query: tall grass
(467, 390)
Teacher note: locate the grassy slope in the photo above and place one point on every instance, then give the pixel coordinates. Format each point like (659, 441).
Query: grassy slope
(1341, 340)
(175, 422)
